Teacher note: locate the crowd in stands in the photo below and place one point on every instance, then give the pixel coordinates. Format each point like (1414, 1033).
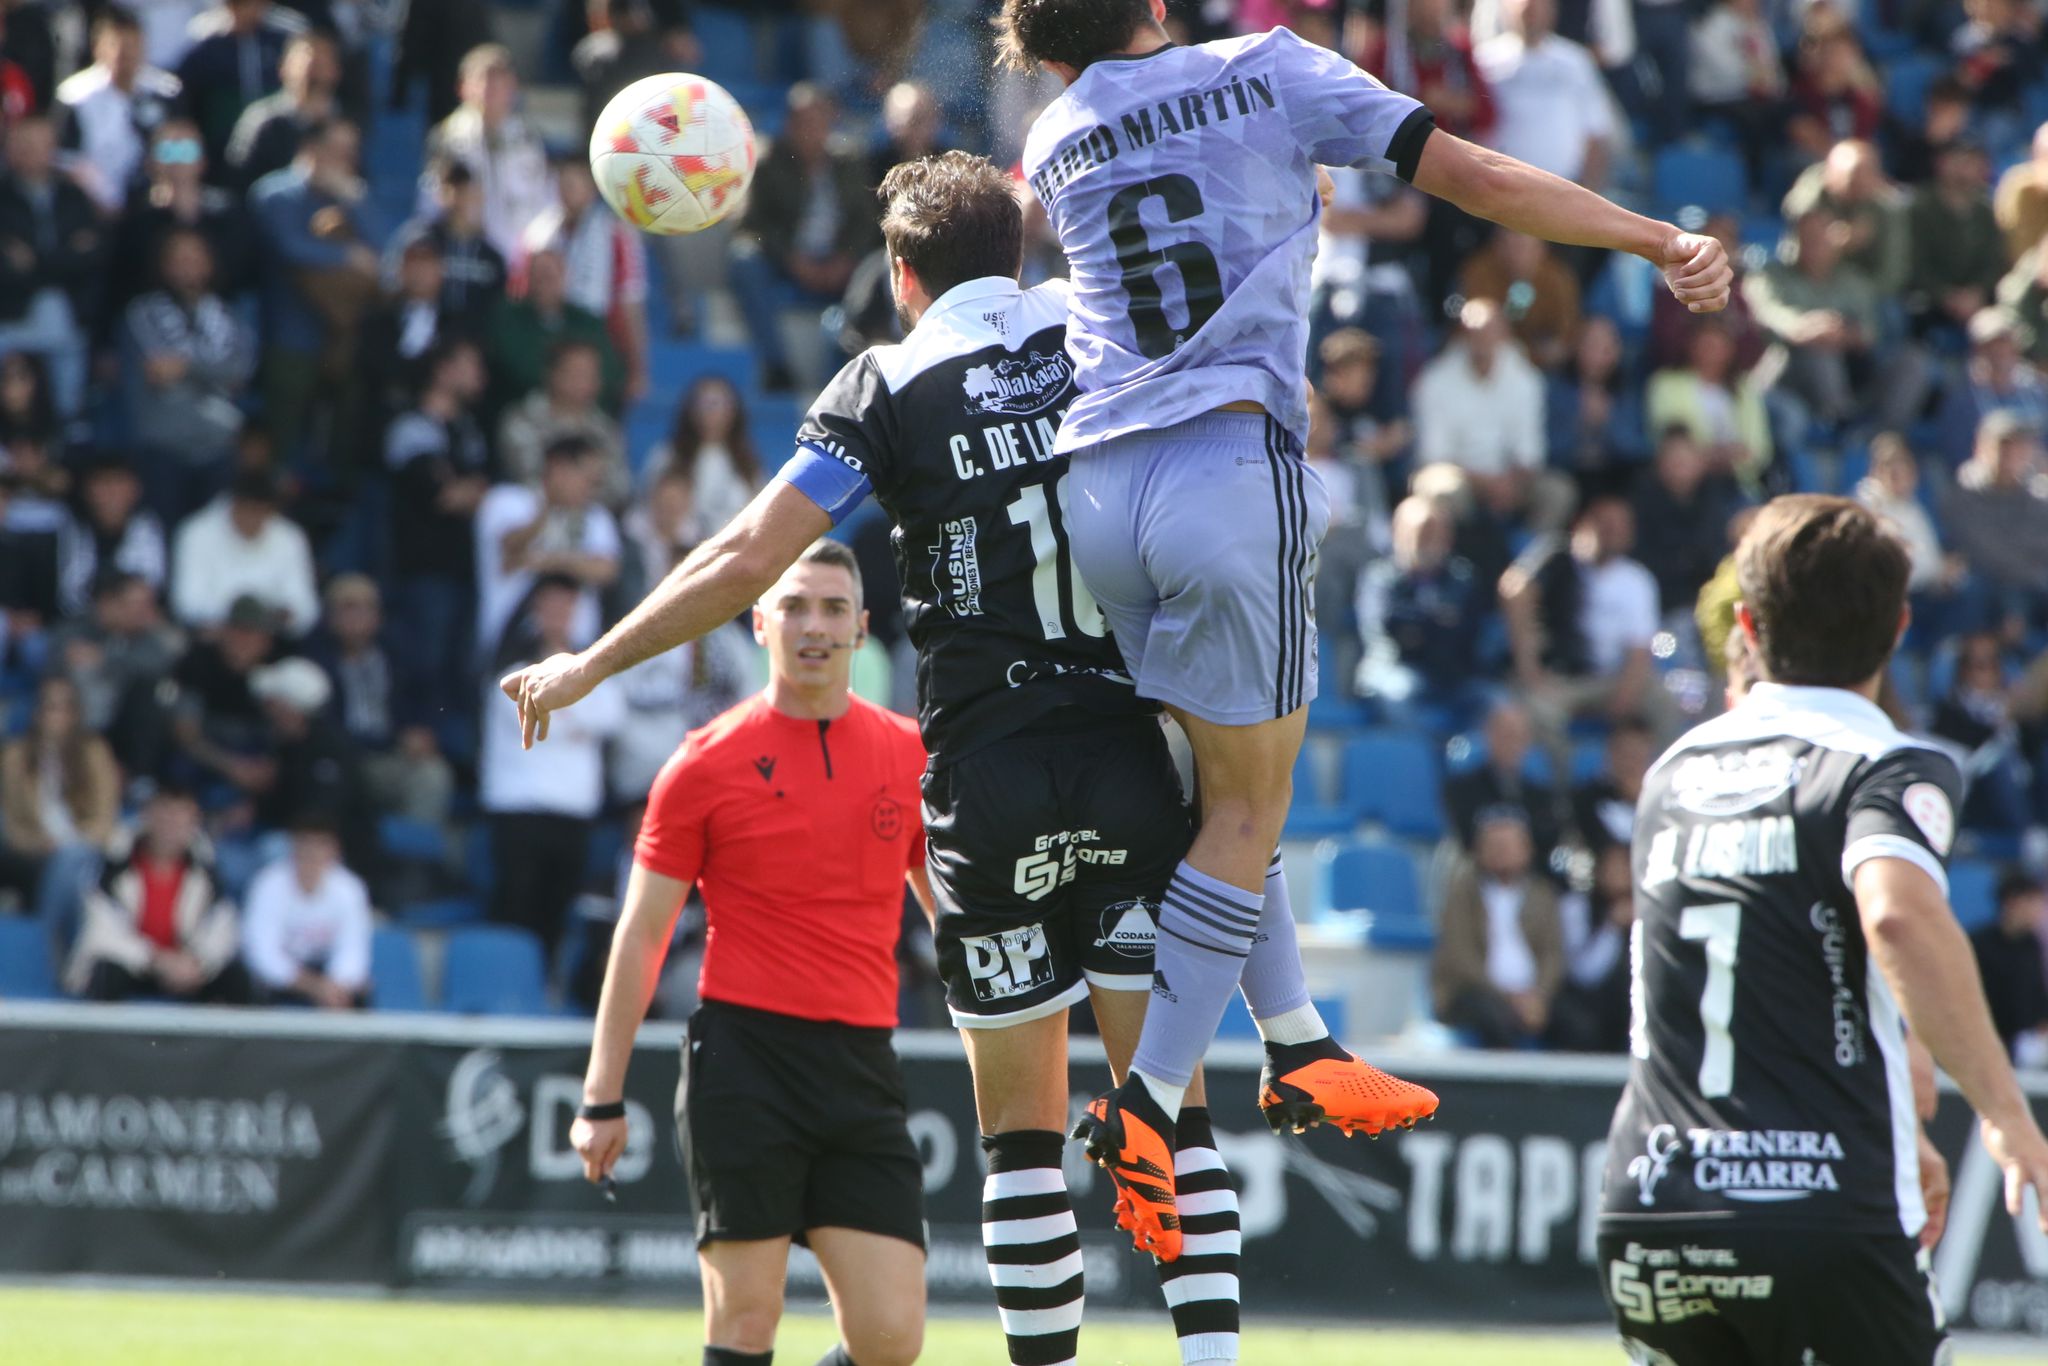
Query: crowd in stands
(329, 390)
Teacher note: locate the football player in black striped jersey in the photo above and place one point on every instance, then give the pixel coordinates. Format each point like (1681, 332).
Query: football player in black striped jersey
(1764, 1199)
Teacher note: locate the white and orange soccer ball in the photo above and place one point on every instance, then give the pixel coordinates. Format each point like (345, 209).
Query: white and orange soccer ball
(673, 154)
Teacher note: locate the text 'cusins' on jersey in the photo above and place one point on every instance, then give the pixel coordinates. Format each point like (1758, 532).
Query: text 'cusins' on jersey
(1057, 859)
(1032, 391)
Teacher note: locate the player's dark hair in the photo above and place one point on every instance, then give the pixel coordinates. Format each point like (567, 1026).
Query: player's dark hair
(115, 19)
(839, 555)
(953, 217)
(1825, 581)
(1075, 32)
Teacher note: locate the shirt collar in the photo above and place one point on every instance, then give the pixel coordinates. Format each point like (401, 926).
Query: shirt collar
(973, 291)
(1838, 703)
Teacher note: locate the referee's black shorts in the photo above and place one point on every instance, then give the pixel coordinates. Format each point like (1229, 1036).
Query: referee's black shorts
(1729, 1296)
(787, 1125)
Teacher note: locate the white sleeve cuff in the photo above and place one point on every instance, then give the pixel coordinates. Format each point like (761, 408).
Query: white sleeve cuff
(1892, 846)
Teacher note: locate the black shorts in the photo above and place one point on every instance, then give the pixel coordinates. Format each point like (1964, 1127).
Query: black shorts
(1716, 1296)
(1049, 851)
(787, 1125)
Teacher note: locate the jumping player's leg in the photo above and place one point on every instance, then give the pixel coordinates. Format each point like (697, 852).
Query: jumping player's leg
(742, 1298)
(877, 1288)
(1201, 1285)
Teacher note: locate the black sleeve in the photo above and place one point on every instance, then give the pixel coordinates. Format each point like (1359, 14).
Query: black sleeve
(1903, 805)
(851, 426)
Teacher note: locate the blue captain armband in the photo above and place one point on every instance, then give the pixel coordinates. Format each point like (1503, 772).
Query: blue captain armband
(827, 480)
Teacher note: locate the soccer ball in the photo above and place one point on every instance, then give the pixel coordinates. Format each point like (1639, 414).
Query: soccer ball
(672, 154)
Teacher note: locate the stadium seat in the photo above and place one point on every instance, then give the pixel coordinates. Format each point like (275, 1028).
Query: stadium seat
(1906, 81)
(1714, 178)
(26, 973)
(1376, 878)
(1391, 777)
(1310, 817)
(1238, 1024)
(1973, 891)
(1589, 762)
(415, 841)
(395, 979)
(493, 970)
(440, 913)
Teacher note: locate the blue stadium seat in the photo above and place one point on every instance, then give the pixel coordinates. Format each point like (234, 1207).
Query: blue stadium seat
(26, 973)
(1906, 81)
(773, 420)
(440, 913)
(1391, 776)
(1310, 817)
(395, 980)
(679, 363)
(1377, 878)
(1589, 762)
(414, 841)
(1973, 891)
(1714, 178)
(494, 970)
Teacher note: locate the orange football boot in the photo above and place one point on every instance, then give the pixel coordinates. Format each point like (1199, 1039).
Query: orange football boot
(1303, 1085)
(1129, 1136)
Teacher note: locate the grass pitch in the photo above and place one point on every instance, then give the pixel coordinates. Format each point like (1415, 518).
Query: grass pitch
(92, 1326)
(102, 1327)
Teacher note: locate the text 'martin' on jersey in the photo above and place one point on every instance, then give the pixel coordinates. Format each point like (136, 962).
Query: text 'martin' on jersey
(1182, 186)
(1769, 1083)
(952, 431)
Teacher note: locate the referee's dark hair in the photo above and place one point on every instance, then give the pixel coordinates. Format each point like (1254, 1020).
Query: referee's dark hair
(952, 218)
(1824, 580)
(1074, 32)
(840, 555)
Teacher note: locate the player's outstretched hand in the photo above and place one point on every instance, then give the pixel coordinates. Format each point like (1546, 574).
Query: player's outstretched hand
(1697, 270)
(599, 1142)
(1326, 188)
(556, 682)
(1933, 1190)
(2022, 1154)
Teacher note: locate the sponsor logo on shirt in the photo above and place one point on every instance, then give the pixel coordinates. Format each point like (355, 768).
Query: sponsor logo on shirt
(1659, 1147)
(1008, 963)
(1929, 807)
(1733, 782)
(1850, 1020)
(956, 567)
(1018, 386)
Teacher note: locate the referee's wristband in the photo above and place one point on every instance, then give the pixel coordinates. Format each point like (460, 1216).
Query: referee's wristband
(611, 1109)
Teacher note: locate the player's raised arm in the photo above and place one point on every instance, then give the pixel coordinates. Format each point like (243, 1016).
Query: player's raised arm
(1927, 962)
(1516, 195)
(714, 583)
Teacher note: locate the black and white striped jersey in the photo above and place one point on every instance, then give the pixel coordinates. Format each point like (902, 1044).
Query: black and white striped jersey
(1769, 1083)
(952, 431)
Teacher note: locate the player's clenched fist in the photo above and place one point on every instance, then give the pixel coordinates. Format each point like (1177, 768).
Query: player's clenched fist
(556, 682)
(1697, 270)
(599, 1142)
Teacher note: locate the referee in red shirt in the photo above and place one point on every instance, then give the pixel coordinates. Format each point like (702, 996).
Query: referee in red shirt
(797, 814)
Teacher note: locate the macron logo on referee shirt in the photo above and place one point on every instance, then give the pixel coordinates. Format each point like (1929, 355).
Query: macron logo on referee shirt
(765, 766)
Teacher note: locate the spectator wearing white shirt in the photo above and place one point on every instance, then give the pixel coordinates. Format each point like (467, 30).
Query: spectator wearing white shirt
(604, 261)
(1581, 616)
(1479, 406)
(242, 545)
(1554, 109)
(108, 110)
(488, 135)
(542, 801)
(558, 528)
(711, 446)
(306, 925)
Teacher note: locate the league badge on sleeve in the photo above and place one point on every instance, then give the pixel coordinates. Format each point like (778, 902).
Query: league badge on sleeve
(1930, 809)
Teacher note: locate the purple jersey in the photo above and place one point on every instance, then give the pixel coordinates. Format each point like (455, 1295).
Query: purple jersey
(1182, 185)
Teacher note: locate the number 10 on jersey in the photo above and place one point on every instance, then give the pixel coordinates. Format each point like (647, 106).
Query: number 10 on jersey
(1053, 561)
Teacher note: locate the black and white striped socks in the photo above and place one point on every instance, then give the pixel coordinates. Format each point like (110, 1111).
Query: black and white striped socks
(1033, 1245)
(1201, 1285)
